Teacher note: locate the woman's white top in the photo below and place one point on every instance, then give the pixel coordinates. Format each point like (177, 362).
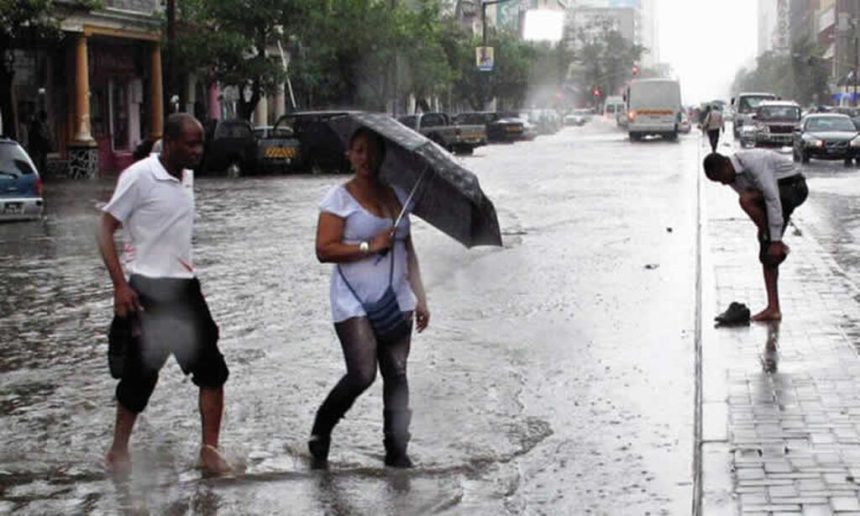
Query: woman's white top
(369, 277)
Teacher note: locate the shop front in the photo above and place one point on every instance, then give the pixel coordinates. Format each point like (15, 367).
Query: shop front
(117, 104)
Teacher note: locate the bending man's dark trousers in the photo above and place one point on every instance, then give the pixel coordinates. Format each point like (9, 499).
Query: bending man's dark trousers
(792, 193)
(363, 353)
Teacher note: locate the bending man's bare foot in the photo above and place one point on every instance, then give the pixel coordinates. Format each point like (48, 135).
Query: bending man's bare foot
(768, 314)
(118, 463)
(212, 462)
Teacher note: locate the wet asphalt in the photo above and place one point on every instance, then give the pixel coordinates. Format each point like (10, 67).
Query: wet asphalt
(557, 375)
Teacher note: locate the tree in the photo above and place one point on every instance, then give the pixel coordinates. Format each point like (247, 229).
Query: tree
(800, 75)
(230, 39)
(605, 58)
(24, 24)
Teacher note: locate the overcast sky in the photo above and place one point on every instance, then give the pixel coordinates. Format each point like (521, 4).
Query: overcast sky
(706, 41)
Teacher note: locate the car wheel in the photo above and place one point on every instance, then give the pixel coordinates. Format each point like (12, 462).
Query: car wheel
(635, 137)
(465, 150)
(848, 162)
(234, 169)
(804, 157)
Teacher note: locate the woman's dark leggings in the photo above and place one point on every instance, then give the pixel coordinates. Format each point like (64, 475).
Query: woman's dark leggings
(362, 353)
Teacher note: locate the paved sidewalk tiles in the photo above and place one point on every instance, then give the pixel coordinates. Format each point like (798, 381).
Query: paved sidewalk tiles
(781, 400)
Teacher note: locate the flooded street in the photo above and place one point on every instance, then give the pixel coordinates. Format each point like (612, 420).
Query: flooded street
(556, 376)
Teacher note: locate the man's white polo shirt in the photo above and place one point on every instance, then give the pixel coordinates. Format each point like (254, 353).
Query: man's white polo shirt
(157, 214)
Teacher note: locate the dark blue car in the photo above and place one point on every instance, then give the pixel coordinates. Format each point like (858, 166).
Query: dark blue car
(20, 184)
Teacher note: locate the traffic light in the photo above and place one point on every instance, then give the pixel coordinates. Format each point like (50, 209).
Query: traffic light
(635, 70)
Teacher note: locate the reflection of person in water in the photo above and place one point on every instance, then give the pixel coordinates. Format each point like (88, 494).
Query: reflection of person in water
(770, 357)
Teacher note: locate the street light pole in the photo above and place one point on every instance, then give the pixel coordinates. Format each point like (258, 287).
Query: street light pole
(484, 4)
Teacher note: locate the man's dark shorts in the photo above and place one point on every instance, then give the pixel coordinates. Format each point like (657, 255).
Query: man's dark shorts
(175, 320)
(792, 193)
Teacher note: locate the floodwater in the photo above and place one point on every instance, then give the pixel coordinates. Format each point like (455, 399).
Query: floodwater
(556, 376)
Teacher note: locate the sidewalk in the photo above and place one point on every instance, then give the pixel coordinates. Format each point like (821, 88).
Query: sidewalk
(781, 402)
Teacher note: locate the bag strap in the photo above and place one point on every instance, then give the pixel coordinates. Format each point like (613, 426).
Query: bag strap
(349, 285)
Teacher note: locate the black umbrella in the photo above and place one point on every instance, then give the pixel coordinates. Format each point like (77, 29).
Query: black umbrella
(444, 193)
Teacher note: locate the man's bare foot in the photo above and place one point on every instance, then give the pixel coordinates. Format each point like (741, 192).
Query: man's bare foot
(768, 314)
(118, 464)
(213, 462)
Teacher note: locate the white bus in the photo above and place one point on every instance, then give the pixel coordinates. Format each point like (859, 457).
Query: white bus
(654, 108)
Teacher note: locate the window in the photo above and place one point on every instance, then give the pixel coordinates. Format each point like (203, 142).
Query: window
(779, 113)
(432, 120)
(838, 124)
(14, 161)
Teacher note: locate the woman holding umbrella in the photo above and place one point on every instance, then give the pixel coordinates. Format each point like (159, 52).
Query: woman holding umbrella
(375, 264)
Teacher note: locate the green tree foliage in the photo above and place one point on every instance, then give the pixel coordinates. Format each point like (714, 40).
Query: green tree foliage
(357, 53)
(231, 40)
(801, 75)
(604, 59)
(24, 24)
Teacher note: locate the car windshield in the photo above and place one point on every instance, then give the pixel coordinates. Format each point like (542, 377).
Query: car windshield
(749, 104)
(232, 131)
(14, 161)
(472, 118)
(830, 123)
(778, 113)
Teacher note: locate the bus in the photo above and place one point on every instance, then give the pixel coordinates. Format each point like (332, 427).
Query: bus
(654, 108)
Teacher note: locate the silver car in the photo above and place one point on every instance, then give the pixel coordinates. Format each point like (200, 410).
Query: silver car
(20, 184)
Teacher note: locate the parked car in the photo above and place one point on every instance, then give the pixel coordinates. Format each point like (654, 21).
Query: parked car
(684, 125)
(546, 121)
(577, 117)
(278, 150)
(826, 136)
(230, 148)
(744, 105)
(498, 127)
(320, 148)
(530, 131)
(439, 127)
(20, 184)
(775, 121)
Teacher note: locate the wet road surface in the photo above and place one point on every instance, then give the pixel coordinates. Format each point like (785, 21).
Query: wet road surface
(556, 376)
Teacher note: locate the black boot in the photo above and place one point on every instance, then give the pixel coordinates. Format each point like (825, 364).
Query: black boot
(396, 429)
(320, 440)
(319, 446)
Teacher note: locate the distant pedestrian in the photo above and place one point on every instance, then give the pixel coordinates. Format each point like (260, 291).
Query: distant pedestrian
(162, 300)
(770, 189)
(39, 141)
(713, 125)
(372, 259)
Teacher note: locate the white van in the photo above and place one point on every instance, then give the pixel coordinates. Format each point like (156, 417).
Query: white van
(744, 106)
(654, 106)
(614, 104)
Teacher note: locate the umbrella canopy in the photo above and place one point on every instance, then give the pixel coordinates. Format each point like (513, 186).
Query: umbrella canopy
(448, 196)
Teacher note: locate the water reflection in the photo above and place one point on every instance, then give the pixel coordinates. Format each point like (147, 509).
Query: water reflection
(770, 357)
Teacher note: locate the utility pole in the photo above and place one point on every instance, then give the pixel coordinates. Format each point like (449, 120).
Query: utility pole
(484, 4)
(171, 54)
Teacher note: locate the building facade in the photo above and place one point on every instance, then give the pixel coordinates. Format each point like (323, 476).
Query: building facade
(101, 87)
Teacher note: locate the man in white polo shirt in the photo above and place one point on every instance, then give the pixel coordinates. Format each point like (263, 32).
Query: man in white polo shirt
(769, 189)
(161, 300)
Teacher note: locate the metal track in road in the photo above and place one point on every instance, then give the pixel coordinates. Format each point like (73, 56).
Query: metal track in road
(698, 397)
